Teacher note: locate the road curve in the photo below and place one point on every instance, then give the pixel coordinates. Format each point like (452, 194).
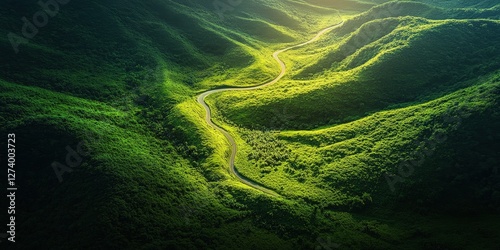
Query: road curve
(232, 142)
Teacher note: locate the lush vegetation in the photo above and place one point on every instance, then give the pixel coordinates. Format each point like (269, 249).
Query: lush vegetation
(382, 135)
(416, 59)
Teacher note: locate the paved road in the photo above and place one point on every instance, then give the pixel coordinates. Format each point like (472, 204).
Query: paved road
(234, 146)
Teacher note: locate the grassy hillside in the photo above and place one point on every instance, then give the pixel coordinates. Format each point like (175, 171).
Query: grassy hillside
(385, 62)
(369, 147)
(403, 111)
(382, 135)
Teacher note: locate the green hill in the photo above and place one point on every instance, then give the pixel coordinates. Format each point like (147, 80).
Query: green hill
(410, 60)
(382, 135)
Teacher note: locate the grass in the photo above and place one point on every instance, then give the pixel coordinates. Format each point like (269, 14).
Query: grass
(339, 154)
(122, 77)
(376, 75)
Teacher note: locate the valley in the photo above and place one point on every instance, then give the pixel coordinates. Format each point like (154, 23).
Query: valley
(283, 124)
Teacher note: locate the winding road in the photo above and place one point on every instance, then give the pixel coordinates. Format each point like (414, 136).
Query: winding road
(232, 142)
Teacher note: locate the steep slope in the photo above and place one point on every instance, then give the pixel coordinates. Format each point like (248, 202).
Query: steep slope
(110, 46)
(353, 157)
(113, 43)
(406, 60)
(371, 33)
